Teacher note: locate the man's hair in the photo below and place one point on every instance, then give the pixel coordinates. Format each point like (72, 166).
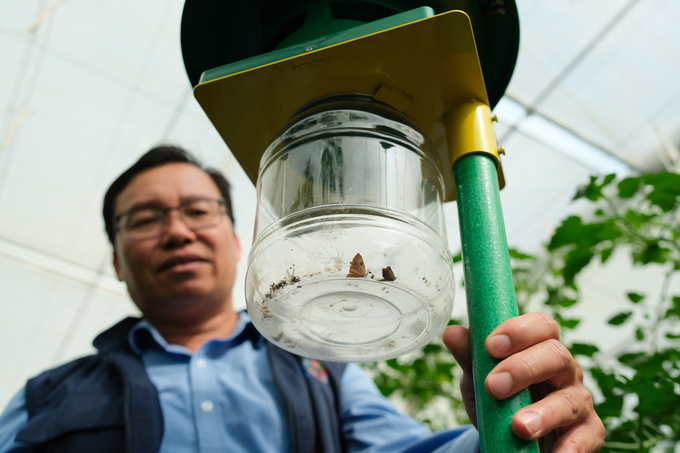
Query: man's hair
(156, 157)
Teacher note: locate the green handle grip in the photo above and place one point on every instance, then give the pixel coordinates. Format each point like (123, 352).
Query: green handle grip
(490, 294)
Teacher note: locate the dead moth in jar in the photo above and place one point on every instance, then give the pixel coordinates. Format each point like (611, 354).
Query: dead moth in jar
(388, 274)
(356, 267)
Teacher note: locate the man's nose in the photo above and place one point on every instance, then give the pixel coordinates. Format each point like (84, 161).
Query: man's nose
(176, 231)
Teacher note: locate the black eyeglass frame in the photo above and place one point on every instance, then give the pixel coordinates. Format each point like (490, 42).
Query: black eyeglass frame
(165, 211)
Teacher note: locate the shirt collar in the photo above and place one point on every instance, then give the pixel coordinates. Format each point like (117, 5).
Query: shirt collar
(144, 336)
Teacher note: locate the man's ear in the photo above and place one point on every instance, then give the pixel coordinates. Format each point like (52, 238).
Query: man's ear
(237, 247)
(116, 266)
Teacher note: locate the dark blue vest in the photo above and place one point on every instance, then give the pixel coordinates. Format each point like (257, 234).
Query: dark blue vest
(106, 403)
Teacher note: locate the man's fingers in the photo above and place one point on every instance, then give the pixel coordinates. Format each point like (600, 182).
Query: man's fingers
(467, 390)
(519, 333)
(457, 340)
(533, 356)
(548, 362)
(584, 438)
(570, 413)
(561, 408)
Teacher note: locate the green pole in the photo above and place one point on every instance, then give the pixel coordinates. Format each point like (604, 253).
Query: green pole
(490, 294)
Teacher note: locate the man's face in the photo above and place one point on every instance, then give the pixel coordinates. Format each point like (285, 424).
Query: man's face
(181, 275)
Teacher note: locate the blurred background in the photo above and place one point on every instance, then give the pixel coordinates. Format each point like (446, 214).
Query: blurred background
(87, 86)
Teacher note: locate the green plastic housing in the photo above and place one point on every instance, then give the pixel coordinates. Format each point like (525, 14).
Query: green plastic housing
(318, 43)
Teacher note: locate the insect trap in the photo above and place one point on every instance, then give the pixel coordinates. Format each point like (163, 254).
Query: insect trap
(349, 117)
(357, 120)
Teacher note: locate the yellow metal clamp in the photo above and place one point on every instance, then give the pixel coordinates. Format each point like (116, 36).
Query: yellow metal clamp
(469, 130)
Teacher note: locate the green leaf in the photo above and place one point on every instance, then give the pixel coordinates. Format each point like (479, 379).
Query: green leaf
(556, 298)
(605, 254)
(672, 336)
(457, 258)
(633, 358)
(394, 364)
(628, 187)
(666, 189)
(515, 254)
(578, 194)
(592, 191)
(637, 219)
(568, 323)
(432, 348)
(653, 383)
(674, 311)
(620, 318)
(599, 213)
(386, 390)
(651, 253)
(606, 231)
(608, 179)
(584, 236)
(663, 180)
(606, 381)
(635, 297)
(583, 349)
(611, 406)
(566, 303)
(574, 261)
(639, 334)
(569, 232)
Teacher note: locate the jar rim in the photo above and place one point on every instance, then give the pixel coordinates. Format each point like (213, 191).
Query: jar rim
(397, 124)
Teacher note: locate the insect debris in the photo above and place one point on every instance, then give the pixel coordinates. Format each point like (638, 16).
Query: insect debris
(274, 287)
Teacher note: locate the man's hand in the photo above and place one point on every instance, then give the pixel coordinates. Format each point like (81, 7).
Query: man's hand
(563, 418)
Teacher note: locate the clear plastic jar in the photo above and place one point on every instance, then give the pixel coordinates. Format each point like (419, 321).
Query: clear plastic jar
(350, 182)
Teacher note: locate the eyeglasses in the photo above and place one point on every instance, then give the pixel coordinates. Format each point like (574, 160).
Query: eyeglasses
(146, 223)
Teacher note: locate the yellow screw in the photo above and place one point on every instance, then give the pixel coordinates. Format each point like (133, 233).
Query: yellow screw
(501, 150)
(494, 119)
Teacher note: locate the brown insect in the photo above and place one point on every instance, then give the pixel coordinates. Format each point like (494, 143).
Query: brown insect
(388, 275)
(357, 267)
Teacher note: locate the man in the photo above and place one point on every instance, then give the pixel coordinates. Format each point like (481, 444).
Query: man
(194, 375)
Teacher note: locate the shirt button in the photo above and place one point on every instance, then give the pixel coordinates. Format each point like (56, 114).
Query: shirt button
(201, 363)
(207, 406)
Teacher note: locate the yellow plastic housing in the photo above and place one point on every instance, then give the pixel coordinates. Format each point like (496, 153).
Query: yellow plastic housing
(422, 69)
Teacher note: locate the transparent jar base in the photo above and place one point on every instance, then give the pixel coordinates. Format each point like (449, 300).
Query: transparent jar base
(309, 306)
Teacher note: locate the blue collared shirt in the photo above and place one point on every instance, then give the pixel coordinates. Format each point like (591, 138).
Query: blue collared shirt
(223, 398)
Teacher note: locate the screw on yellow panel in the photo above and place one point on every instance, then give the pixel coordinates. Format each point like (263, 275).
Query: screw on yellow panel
(469, 130)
